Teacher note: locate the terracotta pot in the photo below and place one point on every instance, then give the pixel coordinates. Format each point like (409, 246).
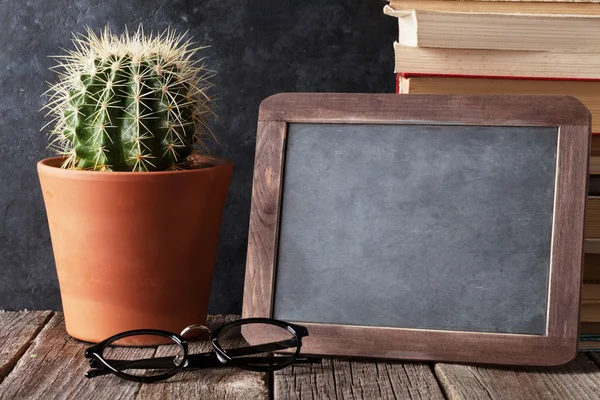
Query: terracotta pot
(134, 249)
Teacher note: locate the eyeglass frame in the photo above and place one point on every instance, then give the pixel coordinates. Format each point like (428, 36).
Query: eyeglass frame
(100, 366)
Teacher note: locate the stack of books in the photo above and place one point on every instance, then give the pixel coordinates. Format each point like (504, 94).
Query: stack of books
(500, 47)
(512, 47)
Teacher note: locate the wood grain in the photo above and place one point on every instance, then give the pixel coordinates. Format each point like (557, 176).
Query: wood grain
(215, 383)
(354, 379)
(585, 91)
(577, 380)
(568, 114)
(361, 108)
(567, 239)
(17, 331)
(54, 367)
(264, 219)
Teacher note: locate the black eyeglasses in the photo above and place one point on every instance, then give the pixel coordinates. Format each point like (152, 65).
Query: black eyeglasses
(229, 349)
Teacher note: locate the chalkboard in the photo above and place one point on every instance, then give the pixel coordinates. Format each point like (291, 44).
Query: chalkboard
(416, 224)
(421, 227)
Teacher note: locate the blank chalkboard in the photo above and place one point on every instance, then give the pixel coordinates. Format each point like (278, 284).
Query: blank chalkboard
(406, 225)
(421, 227)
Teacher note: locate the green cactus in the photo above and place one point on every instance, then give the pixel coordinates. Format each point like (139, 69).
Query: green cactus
(130, 103)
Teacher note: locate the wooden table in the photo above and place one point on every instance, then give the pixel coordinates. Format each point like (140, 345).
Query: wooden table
(38, 360)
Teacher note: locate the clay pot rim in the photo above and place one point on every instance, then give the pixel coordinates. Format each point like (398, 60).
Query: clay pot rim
(51, 166)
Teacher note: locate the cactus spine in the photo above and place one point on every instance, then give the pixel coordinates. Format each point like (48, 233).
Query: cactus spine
(129, 103)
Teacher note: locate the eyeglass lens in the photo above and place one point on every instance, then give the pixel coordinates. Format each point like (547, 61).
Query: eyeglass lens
(143, 361)
(263, 339)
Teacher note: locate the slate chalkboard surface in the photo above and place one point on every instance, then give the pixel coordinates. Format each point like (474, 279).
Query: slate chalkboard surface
(445, 228)
(417, 226)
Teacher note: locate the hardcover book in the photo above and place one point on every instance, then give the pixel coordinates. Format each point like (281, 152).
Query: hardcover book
(496, 31)
(494, 63)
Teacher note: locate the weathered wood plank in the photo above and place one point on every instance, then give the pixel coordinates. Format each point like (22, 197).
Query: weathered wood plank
(17, 330)
(578, 380)
(214, 383)
(54, 366)
(351, 379)
(264, 219)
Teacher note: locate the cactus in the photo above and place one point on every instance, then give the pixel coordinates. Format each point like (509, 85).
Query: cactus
(133, 102)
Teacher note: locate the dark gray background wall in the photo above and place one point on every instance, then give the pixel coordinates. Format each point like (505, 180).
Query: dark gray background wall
(258, 48)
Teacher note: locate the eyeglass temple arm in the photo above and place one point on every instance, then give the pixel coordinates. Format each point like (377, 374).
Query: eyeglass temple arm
(194, 363)
(167, 363)
(148, 363)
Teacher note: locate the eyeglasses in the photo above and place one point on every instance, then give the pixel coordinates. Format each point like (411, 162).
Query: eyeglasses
(229, 349)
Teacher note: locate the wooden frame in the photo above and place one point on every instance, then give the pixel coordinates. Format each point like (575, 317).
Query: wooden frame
(573, 120)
